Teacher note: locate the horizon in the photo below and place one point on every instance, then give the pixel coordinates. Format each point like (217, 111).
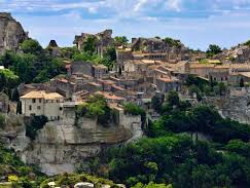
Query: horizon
(197, 24)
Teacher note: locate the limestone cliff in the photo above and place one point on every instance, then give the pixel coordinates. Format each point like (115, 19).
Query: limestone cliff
(11, 33)
(61, 146)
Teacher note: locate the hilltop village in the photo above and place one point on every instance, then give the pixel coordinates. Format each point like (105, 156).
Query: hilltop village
(59, 106)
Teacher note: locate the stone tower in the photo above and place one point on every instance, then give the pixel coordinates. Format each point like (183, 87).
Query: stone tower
(11, 33)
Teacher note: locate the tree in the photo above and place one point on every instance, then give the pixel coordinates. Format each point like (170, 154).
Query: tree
(213, 49)
(89, 45)
(242, 83)
(121, 40)
(31, 46)
(15, 95)
(19, 108)
(133, 109)
(173, 99)
(247, 43)
(157, 103)
(109, 57)
(2, 121)
(172, 42)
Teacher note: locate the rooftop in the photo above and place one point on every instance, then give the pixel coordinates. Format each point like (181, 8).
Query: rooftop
(41, 94)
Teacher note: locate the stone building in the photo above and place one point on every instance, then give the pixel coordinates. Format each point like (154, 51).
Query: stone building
(165, 84)
(103, 40)
(37, 103)
(11, 33)
(151, 49)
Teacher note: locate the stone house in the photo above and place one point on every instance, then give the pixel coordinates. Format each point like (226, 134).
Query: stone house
(138, 65)
(100, 71)
(166, 84)
(79, 68)
(40, 102)
(111, 98)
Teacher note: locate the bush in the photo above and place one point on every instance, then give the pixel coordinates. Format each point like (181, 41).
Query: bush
(133, 109)
(36, 123)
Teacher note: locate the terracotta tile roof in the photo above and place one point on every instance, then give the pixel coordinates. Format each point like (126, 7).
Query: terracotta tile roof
(41, 95)
(167, 80)
(110, 96)
(246, 74)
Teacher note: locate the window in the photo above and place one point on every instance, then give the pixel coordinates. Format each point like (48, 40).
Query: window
(57, 101)
(33, 100)
(30, 107)
(38, 107)
(60, 108)
(40, 100)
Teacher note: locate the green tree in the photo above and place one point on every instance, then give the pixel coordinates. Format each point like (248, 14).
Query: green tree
(213, 49)
(247, 43)
(15, 95)
(173, 99)
(133, 109)
(242, 83)
(121, 40)
(157, 103)
(31, 46)
(89, 45)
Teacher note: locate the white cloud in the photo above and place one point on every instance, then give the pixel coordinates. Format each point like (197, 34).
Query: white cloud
(139, 4)
(174, 5)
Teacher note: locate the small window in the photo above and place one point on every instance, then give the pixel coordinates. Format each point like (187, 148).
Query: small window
(33, 100)
(60, 108)
(57, 101)
(38, 107)
(40, 100)
(30, 107)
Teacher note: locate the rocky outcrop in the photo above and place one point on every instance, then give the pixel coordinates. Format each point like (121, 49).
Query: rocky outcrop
(235, 105)
(238, 54)
(11, 33)
(61, 146)
(54, 49)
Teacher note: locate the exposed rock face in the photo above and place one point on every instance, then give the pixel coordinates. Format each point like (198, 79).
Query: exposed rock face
(11, 33)
(54, 49)
(60, 146)
(235, 106)
(238, 54)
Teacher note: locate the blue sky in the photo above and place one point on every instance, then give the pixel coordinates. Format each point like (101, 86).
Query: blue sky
(197, 23)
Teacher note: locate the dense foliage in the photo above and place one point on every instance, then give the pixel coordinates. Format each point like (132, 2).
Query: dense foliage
(121, 40)
(213, 49)
(34, 65)
(170, 155)
(36, 123)
(89, 53)
(95, 107)
(172, 42)
(15, 171)
(247, 43)
(176, 160)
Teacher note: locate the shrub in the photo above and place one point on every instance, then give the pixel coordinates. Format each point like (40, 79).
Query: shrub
(36, 123)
